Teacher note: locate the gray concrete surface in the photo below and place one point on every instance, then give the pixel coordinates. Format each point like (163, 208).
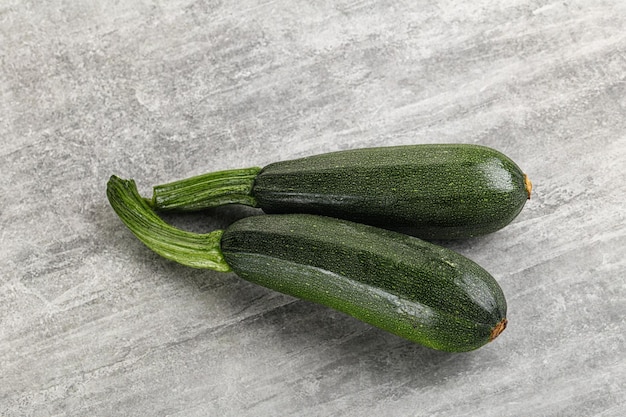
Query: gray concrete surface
(94, 324)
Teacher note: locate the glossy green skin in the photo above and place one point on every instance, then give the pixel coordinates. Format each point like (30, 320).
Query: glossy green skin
(414, 289)
(443, 191)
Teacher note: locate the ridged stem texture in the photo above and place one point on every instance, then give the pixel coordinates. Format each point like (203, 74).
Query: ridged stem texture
(187, 248)
(205, 191)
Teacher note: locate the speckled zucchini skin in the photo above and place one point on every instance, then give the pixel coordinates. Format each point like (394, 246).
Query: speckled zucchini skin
(443, 191)
(419, 291)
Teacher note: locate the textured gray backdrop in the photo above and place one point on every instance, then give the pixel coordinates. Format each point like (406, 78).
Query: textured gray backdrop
(94, 324)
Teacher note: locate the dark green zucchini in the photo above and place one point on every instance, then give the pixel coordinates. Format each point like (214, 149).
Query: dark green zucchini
(414, 289)
(443, 191)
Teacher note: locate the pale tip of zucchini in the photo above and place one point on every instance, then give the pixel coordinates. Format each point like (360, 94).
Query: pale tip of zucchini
(499, 328)
(528, 185)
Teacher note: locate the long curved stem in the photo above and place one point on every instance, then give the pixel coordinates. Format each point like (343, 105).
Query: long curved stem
(190, 249)
(207, 190)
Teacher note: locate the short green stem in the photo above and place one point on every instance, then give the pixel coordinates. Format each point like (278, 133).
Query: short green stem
(207, 190)
(190, 249)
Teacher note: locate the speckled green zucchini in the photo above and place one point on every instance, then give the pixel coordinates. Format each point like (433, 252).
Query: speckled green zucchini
(414, 289)
(442, 191)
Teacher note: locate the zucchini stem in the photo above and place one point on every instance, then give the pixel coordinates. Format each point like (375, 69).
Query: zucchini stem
(207, 190)
(187, 248)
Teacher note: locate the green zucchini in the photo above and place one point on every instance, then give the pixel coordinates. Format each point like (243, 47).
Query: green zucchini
(442, 191)
(414, 289)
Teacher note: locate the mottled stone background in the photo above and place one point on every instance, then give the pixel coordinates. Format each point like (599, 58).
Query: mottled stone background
(94, 324)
